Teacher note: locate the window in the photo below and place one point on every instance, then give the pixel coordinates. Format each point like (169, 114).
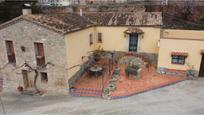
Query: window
(178, 59)
(44, 77)
(100, 38)
(90, 39)
(10, 52)
(39, 54)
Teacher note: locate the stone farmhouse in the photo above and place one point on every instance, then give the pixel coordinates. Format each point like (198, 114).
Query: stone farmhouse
(49, 48)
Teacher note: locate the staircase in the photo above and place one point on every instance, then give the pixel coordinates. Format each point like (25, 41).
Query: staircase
(86, 92)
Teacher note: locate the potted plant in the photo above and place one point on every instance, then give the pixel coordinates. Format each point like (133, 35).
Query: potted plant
(98, 54)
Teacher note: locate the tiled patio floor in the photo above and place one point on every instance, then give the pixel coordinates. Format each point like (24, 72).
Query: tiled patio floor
(126, 87)
(149, 80)
(94, 82)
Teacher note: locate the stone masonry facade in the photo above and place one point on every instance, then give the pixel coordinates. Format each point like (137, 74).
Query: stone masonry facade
(25, 34)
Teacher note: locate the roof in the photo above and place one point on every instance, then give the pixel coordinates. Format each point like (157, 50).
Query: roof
(69, 22)
(61, 23)
(125, 18)
(184, 25)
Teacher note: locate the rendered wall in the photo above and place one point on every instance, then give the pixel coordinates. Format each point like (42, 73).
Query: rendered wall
(77, 45)
(115, 39)
(183, 34)
(185, 42)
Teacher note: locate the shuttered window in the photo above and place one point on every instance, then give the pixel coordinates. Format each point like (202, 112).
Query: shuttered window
(10, 51)
(100, 40)
(39, 54)
(178, 59)
(90, 39)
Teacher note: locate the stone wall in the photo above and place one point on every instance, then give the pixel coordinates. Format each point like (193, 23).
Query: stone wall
(153, 57)
(25, 33)
(150, 56)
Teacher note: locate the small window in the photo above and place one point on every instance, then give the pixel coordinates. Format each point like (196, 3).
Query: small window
(39, 54)
(10, 52)
(100, 38)
(44, 77)
(178, 59)
(90, 39)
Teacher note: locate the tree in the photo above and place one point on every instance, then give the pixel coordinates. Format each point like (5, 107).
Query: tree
(183, 10)
(30, 69)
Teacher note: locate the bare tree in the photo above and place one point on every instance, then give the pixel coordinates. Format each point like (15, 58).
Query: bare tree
(36, 70)
(181, 10)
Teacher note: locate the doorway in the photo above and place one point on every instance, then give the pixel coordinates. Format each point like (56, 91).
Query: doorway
(133, 42)
(201, 73)
(25, 78)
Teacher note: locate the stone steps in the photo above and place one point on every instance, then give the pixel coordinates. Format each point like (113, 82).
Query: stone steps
(86, 92)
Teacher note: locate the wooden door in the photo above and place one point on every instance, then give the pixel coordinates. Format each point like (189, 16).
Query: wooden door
(201, 73)
(25, 79)
(40, 55)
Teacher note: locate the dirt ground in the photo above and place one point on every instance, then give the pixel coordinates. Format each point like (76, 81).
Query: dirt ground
(186, 97)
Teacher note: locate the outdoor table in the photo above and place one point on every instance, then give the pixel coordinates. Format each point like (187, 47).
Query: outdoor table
(96, 70)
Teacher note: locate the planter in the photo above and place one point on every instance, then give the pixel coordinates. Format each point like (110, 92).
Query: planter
(20, 88)
(97, 58)
(133, 72)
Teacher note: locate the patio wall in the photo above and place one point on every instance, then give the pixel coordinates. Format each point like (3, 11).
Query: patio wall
(181, 41)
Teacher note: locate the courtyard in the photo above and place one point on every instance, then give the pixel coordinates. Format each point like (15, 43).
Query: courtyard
(185, 97)
(113, 80)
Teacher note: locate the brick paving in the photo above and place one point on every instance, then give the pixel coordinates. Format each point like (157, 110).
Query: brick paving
(94, 82)
(149, 80)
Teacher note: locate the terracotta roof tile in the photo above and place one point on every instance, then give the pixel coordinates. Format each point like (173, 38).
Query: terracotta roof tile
(69, 22)
(61, 22)
(125, 19)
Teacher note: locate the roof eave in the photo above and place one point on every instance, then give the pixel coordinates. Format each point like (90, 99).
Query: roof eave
(20, 18)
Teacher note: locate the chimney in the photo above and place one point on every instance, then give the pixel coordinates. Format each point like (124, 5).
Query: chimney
(26, 9)
(80, 12)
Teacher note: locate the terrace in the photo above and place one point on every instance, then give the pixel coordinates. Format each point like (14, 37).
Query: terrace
(118, 75)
